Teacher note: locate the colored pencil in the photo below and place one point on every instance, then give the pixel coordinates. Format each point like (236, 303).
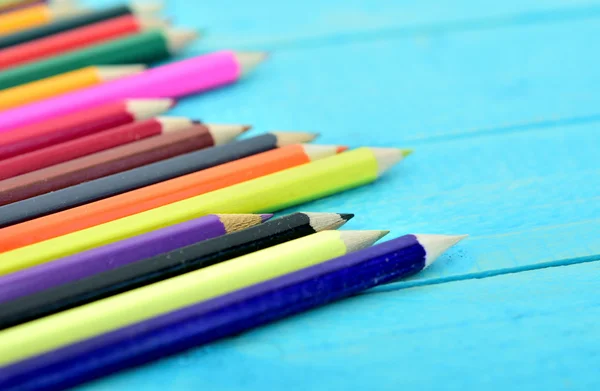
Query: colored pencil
(93, 262)
(173, 80)
(157, 268)
(122, 255)
(42, 335)
(227, 315)
(116, 160)
(11, 5)
(145, 47)
(164, 193)
(36, 15)
(79, 124)
(76, 39)
(63, 83)
(75, 22)
(108, 186)
(266, 194)
(93, 143)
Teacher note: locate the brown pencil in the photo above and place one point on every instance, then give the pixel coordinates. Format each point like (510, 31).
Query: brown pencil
(116, 160)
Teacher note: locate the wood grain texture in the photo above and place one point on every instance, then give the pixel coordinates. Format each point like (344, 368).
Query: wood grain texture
(499, 100)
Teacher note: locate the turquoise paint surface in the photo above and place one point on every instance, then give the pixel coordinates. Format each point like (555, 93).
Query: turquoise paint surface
(500, 101)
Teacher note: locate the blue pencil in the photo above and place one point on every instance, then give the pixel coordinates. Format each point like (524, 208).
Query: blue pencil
(226, 315)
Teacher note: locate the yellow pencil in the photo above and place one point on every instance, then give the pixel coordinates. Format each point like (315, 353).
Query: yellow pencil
(92, 319)
(36, 15)
(262, 195)
(63, 83)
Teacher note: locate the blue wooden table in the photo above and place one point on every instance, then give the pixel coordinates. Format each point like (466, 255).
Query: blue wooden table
(501, 102)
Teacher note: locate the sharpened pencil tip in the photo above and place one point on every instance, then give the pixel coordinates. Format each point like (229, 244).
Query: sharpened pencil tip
(436, 245)
(266, 216)
(317, 152)
(346, 216)
(248, 61)
(406, 152)
(222, 134)
(341, 148)
(179, 38)
(148, 108)
(288, 138)
(357, 240)
(387, 158)
(326, 221)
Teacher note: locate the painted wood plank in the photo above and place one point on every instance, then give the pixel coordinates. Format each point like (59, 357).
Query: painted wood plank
(284, 24)
(417, 90)
(534, 329)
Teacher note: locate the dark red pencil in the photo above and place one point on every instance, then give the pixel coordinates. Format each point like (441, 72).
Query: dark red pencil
(79, 124)
(93, 143)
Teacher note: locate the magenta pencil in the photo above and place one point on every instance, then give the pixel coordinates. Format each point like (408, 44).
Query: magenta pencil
(173, 80)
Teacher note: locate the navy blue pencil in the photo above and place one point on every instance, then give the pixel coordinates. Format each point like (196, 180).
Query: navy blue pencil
(226, 315)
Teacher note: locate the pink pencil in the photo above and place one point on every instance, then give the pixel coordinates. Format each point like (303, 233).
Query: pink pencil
(168, 81)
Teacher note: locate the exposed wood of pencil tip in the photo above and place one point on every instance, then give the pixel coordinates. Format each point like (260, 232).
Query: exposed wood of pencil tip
(66, 9)
(174, 124)
(436, 245)
(113, 72)
(289, 138)
(317, 152)
(238, 222)
(148, 108)
(147, 22)
(248, 61)
(179, 38)
(357, 240)
(146, 8)
(388, 157)
(327, 221)
(224, 133)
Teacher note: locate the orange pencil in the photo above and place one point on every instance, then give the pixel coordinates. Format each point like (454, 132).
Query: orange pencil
(160, 194)
(35, 15)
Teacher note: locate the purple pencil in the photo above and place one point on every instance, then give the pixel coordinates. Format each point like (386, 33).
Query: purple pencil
(112, 256)
(226, 315)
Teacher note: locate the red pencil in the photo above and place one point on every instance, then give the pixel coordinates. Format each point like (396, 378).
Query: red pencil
(78, 124)
(88, 145)
(75, 39)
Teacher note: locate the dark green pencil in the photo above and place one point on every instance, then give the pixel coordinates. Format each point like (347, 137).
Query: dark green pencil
(145, 47)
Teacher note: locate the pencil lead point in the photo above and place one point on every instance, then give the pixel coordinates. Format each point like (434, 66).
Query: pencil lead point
(346, 216)
(342, 148)
(266, 216)
(357, 240)
(326, 221)
(248, 61)
(406, 152)
(436, 245)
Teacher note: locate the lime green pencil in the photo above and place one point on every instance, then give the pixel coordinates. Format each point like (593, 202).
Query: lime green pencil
(266, 194)
(145, 47)
(114, 312)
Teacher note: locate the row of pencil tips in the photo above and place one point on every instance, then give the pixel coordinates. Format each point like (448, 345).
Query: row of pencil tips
(235, 272)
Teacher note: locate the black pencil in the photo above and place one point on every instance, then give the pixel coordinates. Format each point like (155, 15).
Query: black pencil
(72, 23)
(111, 185)
(167, 265)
